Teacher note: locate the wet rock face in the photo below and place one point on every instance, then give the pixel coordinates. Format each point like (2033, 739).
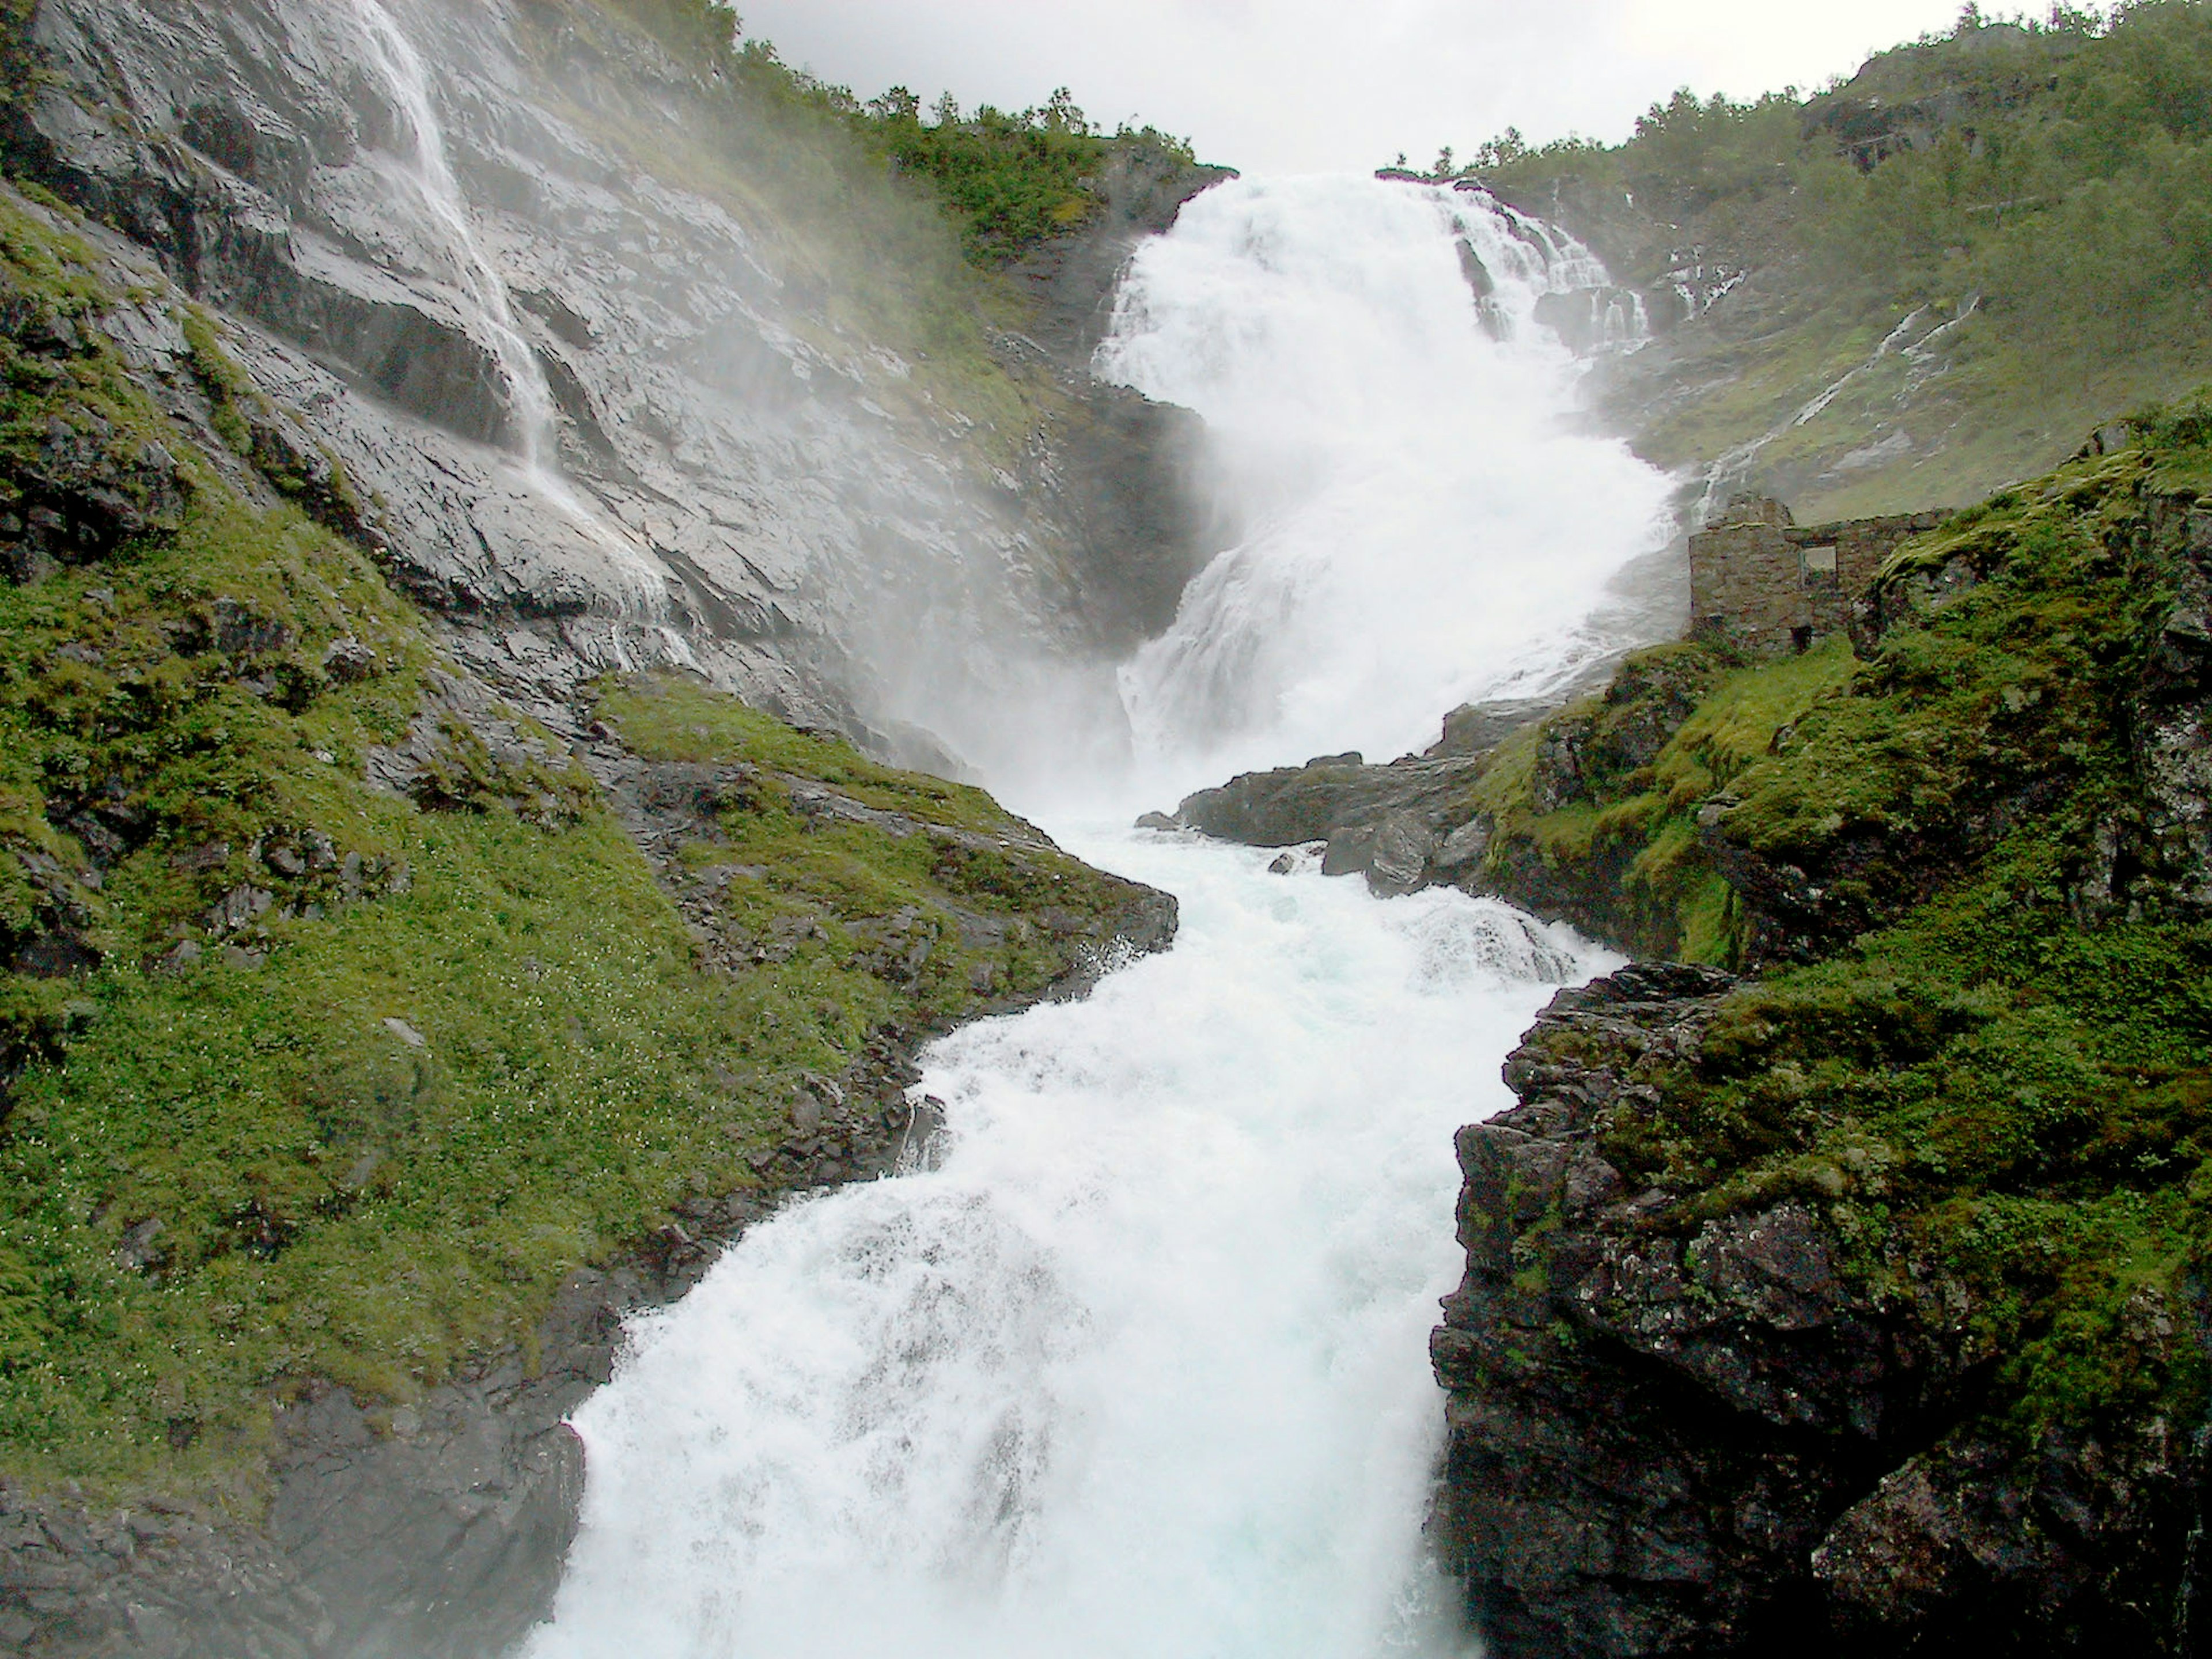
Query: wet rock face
(745, 480)
(1684, 1427)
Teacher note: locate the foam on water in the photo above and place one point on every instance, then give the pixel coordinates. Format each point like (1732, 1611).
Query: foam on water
(1426, 520)
(1141, 1369)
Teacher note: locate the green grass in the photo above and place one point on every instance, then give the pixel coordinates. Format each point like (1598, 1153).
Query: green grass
(1991, 1087)
(980, 905)
(307, 1078)
(670, 719)
(1631, 844)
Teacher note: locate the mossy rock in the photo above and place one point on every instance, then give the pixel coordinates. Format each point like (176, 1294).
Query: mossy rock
(342, 1017)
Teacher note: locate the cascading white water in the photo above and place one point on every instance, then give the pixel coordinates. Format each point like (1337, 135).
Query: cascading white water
(1427, 519)
(1141, 1369)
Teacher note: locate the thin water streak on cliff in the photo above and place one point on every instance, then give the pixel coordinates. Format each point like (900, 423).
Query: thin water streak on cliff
(423, 175)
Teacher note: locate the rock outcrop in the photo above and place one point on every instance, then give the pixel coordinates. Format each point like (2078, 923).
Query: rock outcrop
(1674, 1430)
(1822, 1307)
(1411, 823)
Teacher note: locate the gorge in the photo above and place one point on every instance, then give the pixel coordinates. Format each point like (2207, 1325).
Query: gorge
(547, 1114)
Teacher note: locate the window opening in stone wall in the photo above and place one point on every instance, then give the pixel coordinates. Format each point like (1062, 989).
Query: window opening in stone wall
(1819, 564)
(1800, 640)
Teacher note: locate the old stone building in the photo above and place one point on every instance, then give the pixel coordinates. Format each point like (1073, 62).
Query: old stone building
(1769, 585)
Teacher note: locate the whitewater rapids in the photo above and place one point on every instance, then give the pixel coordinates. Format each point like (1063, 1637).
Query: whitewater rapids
(1140, 1370)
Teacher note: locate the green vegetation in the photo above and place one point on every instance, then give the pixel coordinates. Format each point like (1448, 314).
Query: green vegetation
(308, 1078)
(1011, 180)
(1599, 806)
(1008, 180)
(1996, 1055)
(2047, 179)
(931, 887)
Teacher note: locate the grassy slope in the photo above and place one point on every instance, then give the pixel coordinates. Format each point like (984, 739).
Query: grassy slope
(1983, 1068)
(225, 1169)
(2059, 183)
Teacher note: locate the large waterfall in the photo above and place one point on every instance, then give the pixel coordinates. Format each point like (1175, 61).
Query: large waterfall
(1393, 423)
(1141, 1367)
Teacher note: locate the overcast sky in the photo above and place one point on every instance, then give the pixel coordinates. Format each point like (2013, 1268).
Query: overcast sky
(1296, 85)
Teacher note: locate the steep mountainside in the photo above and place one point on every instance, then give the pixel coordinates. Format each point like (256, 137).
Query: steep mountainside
(1918, 286)
(652, 353)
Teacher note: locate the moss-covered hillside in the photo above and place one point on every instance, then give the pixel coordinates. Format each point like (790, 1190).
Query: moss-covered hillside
(1971, 861)
(345, 1009)
(2034, 190)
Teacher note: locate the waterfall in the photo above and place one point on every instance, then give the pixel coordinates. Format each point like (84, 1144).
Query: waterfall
(1141, 1370)
(420, 175)
(1393, 421)
(1141, 1367)
(424, 178)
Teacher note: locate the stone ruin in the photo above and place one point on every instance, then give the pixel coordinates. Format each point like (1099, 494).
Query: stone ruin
(1768, 586)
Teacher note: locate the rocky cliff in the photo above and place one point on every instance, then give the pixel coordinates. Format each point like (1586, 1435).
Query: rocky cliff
(660, 361)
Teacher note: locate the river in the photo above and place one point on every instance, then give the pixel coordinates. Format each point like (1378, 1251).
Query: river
(1139, 1370)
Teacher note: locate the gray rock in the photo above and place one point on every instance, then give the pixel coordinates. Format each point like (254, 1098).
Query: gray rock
(1402, 845)
(1669, 1435)
(787, 515)
(1465, 846)
(1293, 805)
(1476, 728)
(1393, 854)
(348, 661)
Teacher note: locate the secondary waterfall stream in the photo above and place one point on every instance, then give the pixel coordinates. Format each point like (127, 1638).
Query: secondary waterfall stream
(422, 177)
(419, 176)
(1141, 1368)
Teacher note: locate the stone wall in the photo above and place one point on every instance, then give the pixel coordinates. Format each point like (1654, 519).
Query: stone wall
(1770, 585)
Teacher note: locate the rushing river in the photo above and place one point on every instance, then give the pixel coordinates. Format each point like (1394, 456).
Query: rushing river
(1140, 1370)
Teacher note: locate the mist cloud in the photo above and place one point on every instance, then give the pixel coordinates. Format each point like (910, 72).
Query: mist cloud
(1314, 85)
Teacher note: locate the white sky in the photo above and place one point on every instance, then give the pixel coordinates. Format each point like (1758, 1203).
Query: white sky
(1298, 85)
